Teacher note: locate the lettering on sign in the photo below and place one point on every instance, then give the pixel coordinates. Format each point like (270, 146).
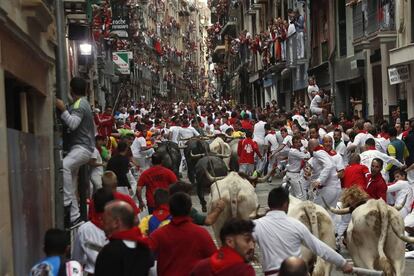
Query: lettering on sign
(398, 74)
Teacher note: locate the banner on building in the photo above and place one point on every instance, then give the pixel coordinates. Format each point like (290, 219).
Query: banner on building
(398, 74)
(121, 61)
(120, 27)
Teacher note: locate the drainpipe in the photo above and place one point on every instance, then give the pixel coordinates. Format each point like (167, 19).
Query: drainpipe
(331, 60)
(61, 92)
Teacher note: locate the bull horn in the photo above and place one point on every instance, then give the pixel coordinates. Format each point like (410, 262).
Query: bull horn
(223, 155)
(342, 211)
(197, 155)
(182, 147)
(229, 137)
(399, 207)
(266, 177)
(185, 139)
(211, 178)
(401, 235)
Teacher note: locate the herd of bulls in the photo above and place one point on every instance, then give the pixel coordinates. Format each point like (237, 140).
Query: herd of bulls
(375, 236)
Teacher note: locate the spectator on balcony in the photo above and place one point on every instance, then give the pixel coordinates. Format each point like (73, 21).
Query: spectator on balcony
(313, 88)
(300, 30)
(291, 36)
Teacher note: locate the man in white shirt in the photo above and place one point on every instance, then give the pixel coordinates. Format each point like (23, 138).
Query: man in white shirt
(371, 153)
(259, 133)
(323, 176)
(316, 105)
(312, 88)
(96, 164)
(339, 146)
(280, 237)
(399, 191)
(140, 150)
(271, 144)
(362, 135)
(90, 237)
(224, 126)
(294, 167)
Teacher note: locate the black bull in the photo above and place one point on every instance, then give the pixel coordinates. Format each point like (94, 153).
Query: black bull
(216, 167)
(194, 148)
(171, 156)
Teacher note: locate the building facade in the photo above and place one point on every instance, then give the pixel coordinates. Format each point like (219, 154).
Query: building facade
(27, 87)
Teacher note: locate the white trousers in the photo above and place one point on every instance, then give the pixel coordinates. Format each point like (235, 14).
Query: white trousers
(76, 157)
(296, 185)
(331, 195)
(300, 49)
(260, 164)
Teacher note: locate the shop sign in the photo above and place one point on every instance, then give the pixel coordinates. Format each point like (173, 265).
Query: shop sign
(398, 74)
(121, 61)
(120, 27)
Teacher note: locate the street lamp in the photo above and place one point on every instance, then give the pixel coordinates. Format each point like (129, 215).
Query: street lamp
(85, 49)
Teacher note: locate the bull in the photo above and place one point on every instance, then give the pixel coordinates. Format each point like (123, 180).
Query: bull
(239, 195)
(219, 146)
(171, 155)
(320, 224)
(194, 149)
(234, 157)
(215, 166)
(375, 238)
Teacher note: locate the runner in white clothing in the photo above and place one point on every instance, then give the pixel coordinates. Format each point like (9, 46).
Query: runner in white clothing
(401, 191)
(280, 237)
(294, 167)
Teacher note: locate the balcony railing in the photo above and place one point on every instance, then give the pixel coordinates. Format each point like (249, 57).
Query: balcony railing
(376, 16)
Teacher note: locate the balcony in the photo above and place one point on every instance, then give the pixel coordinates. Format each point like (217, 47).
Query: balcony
(229, 26)
(376, 22)
(38, 11)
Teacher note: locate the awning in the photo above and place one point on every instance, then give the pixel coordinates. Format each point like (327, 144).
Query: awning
(402, 55)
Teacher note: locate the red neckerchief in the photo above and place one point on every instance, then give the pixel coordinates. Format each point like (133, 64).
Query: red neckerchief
(162, 212)
(362, 131)
(223, 258)
(201, 124)
(320, 147)
(185, 126)
(180, 220)
(384, 135)
(133, 234)
(97, 220)
(371, 148)
(272, 132)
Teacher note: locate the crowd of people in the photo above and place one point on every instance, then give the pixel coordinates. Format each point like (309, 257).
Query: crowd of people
(319, 155)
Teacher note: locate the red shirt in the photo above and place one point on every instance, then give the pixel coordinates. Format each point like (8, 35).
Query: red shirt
(118, 196)
(179, 246)
(226, 261)
(376, 187)
(355, 174)
(104, 124)
(156, 177)
(232, 121)
(246, 125)
(246, 150)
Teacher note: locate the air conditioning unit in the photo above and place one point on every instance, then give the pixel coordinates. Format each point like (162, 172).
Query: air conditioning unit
(74, 6)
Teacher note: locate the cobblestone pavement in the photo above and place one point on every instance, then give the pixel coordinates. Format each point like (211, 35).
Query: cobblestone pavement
(262, 191)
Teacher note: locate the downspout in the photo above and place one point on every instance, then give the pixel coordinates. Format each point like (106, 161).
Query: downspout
(331, 59)
(61, 92)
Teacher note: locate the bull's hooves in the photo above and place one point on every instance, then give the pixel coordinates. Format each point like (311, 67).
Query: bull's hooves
(204, 208)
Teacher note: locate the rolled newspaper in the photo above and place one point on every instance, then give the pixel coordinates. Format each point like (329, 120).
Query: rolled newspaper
(368, 272)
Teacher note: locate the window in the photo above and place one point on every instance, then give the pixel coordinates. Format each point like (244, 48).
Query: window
(342, 28)
(412, 21)
(19, 105)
